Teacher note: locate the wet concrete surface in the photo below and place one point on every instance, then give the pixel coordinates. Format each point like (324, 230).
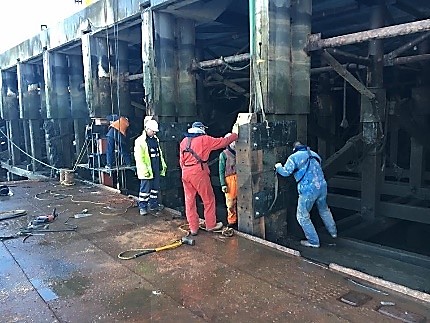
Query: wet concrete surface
(77, 276)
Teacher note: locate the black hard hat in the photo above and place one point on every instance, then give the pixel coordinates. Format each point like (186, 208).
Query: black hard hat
(298, 146)
(4, 190)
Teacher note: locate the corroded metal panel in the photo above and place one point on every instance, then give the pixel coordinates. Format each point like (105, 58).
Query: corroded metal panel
(259, 147)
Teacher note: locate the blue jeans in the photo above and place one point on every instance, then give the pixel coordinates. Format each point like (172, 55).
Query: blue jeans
(148, 192)
(115, 137)
(304, 206)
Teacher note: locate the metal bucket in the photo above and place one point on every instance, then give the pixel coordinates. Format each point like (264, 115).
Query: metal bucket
(68, 177)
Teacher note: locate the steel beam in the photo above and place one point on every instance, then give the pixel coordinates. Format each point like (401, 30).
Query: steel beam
(349, 57)
(411, 59)
(344, 202)
(220, 61)
(405, 212)
(393, 54)
(339, 159)
(240, 90)
(133, 77)
(416, 165)
(388, 187)
(387, 209)
(345, 74)
(316, 43)
(370, 117)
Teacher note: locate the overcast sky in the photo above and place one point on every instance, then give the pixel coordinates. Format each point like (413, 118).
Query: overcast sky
(21, 19)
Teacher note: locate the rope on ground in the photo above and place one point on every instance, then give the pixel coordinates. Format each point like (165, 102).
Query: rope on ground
(107, 205)
(225, 231)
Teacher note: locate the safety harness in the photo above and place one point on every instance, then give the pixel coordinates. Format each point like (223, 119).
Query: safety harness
(308, 161)
(188, 149)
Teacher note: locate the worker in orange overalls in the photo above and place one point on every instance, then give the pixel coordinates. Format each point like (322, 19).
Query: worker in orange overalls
(194, 153)
(117, 134)
(228, 181)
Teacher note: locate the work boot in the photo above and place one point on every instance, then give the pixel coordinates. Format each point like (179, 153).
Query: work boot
(218, 226)
(143, 211)
(232, 225)
(156, 208)
(306, 243)
(334, 236)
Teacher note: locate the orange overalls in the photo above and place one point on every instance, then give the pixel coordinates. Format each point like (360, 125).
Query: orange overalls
(196, 176)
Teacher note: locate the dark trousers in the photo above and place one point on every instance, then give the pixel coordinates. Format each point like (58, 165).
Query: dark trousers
(148, 192)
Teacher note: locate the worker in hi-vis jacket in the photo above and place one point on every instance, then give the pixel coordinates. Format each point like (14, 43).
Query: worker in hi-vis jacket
(150, 165)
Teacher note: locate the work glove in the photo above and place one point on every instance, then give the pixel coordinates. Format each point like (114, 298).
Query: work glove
(278, 165)
(235, 128)
(224, 189)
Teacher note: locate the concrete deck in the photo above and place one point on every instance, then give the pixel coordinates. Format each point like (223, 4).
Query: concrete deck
(77, 276)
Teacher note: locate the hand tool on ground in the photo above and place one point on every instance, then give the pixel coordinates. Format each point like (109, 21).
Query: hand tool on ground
(134, 253)
(45, 218)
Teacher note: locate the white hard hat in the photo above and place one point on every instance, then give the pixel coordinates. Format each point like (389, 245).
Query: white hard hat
(152, 125)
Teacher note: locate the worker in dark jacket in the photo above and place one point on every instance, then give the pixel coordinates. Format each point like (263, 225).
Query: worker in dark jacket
(194, 153)
(117, 134)
(305, 165)
(228, 181)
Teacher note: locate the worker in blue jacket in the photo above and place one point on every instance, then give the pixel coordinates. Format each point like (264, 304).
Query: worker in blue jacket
(305, 165)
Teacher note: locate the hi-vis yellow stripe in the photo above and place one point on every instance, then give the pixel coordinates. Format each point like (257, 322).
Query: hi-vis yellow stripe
(88, 2)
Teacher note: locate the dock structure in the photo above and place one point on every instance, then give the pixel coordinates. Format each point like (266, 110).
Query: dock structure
(348, 78)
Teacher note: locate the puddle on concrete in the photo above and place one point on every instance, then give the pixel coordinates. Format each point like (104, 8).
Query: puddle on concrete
(136, 299)
(76, 285)
(44, 291)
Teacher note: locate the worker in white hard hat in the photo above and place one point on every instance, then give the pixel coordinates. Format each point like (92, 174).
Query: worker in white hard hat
(150, 165)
